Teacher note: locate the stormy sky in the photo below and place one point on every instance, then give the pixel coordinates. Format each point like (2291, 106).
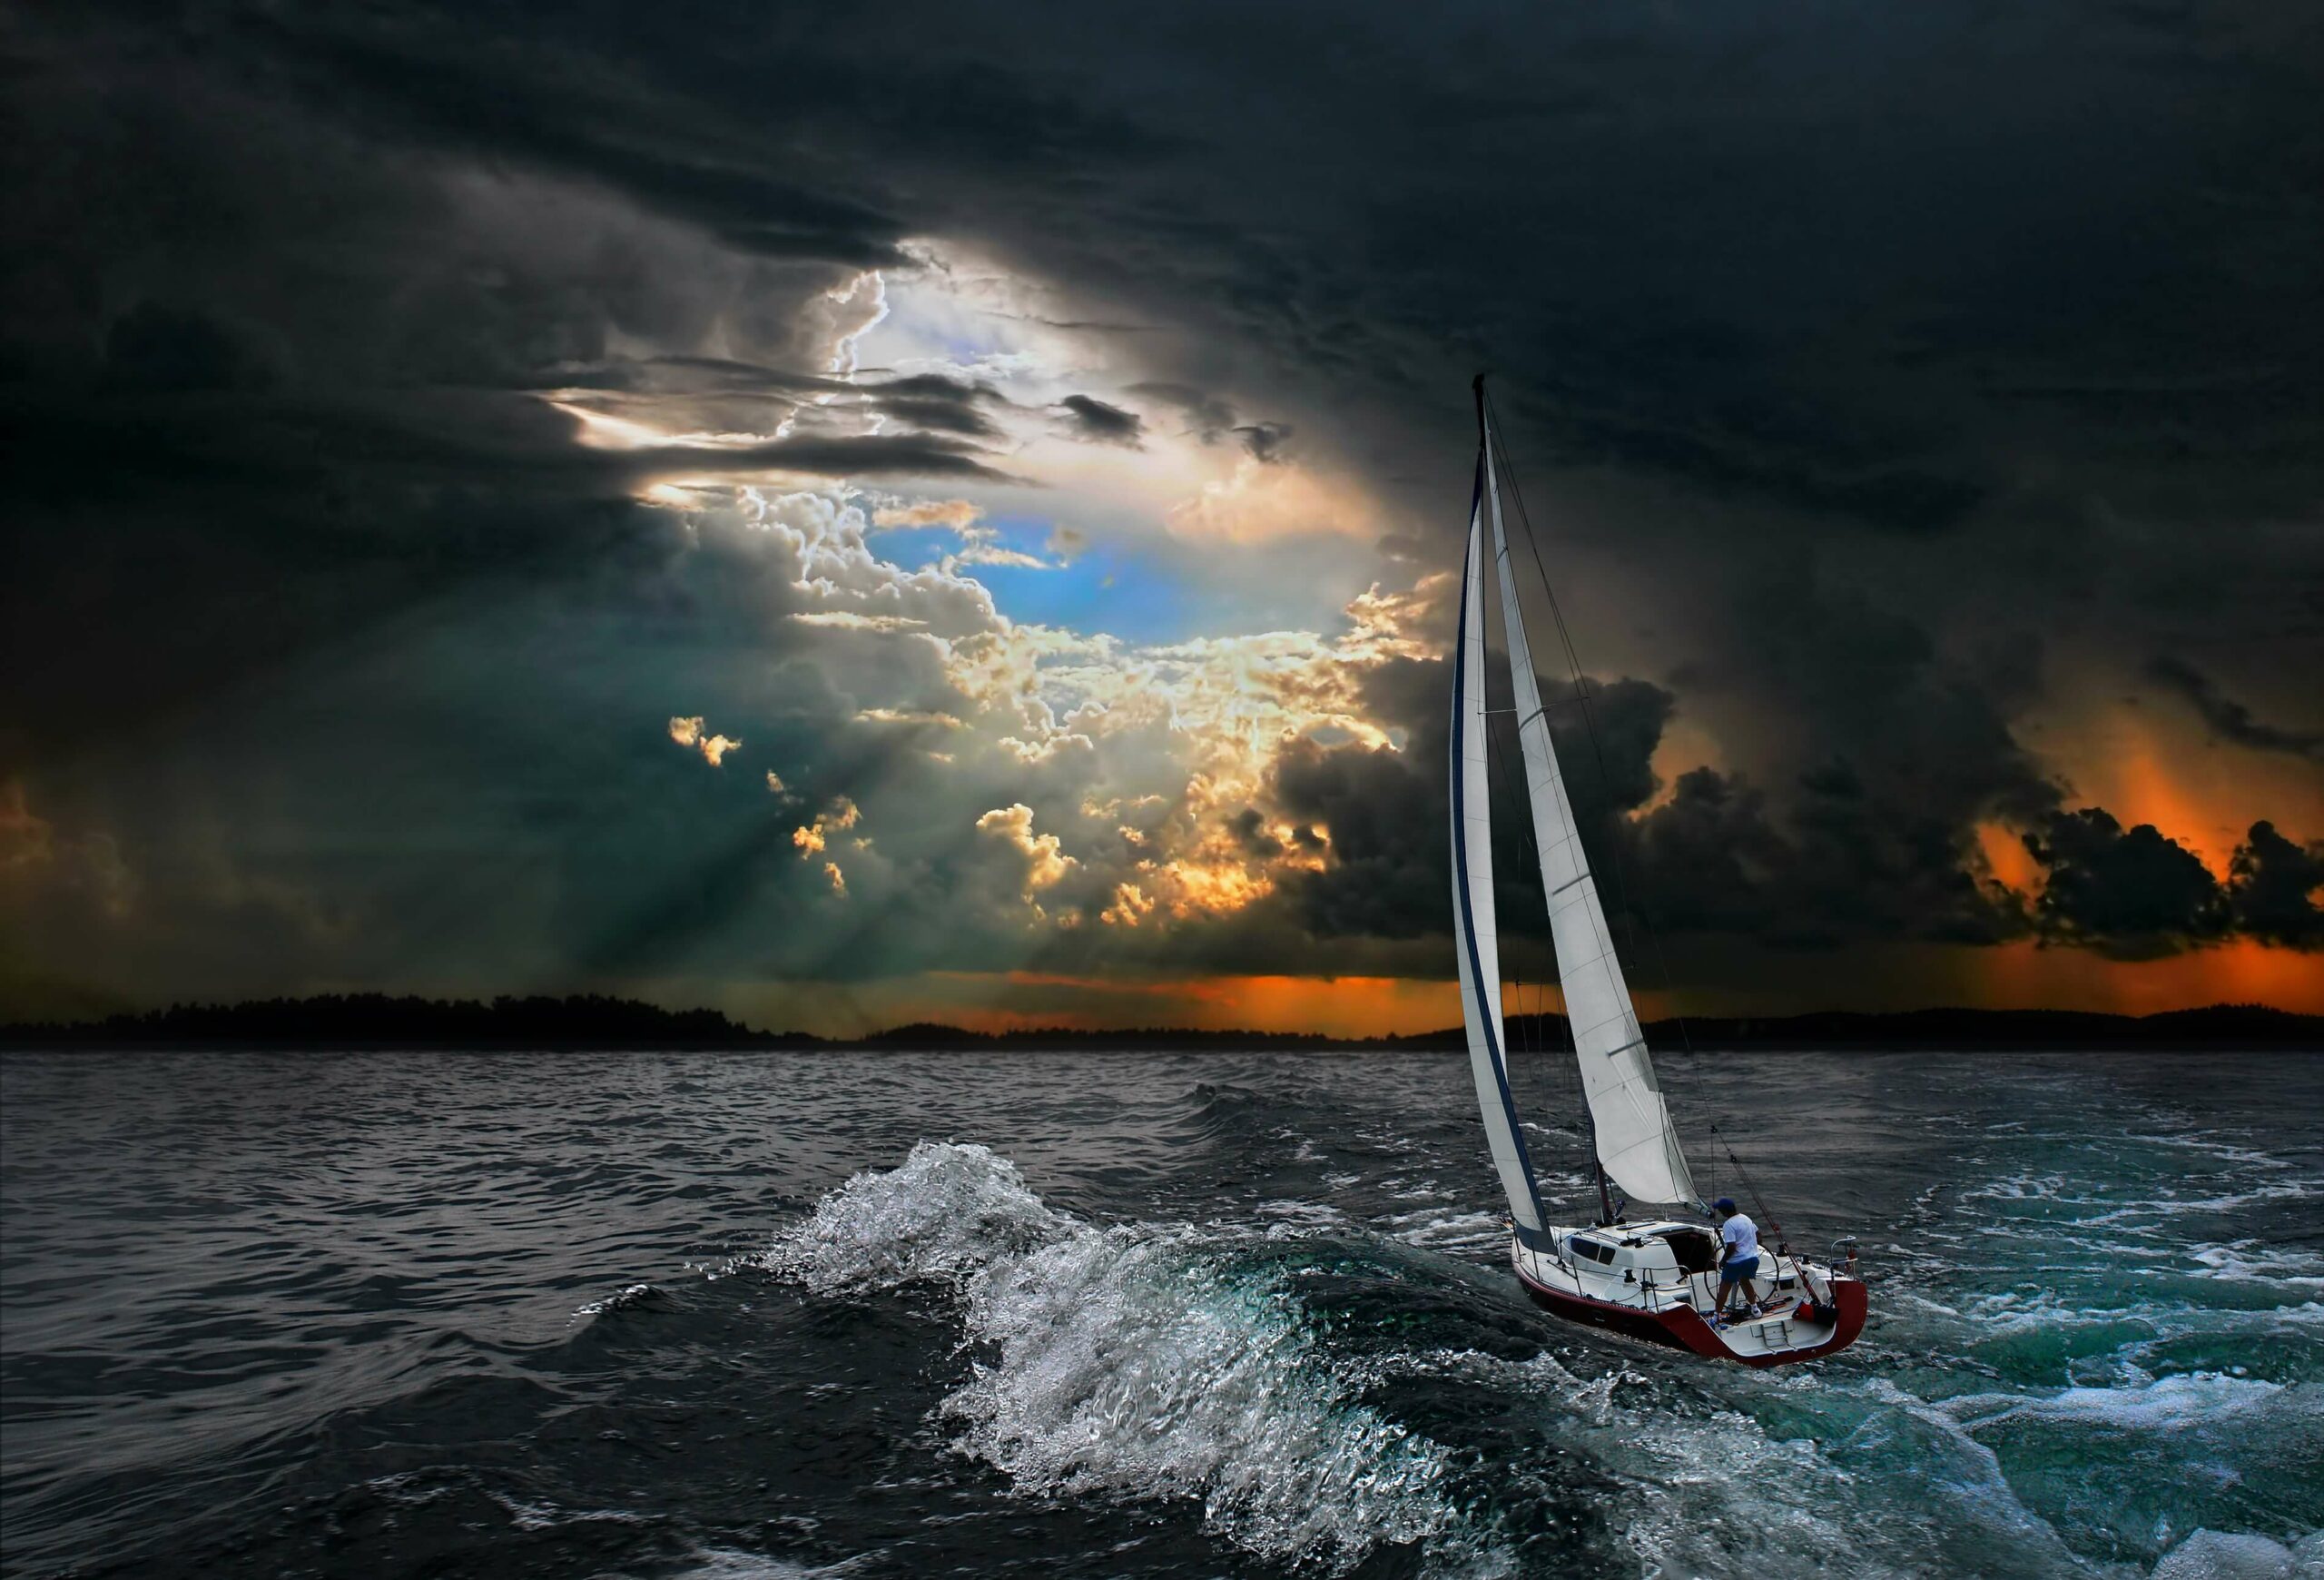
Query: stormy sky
(853, 514)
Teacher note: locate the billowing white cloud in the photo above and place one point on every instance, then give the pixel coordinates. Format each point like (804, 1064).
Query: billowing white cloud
(848, 621)
(1046, 862)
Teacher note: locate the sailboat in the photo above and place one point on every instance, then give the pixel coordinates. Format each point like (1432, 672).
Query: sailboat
(1654, 1278)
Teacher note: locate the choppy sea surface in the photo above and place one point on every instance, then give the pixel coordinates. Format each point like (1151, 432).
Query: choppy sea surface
(741, 1315)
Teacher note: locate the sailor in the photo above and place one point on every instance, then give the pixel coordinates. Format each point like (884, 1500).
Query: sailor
(1738, 1261)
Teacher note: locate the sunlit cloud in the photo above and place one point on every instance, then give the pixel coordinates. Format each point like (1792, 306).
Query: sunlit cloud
(977, 548)
(1259, 502)
(849, 620)
(956, 514)
(908, 715)
(1046, 862)
(689, 733)
(812, 838)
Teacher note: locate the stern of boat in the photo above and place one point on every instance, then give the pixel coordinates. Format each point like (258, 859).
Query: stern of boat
(1780, 1337)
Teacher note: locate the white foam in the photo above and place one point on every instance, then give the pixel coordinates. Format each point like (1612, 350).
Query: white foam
(619, 1301)
(1137, 1362)
(1129, 1365)
(1441, 1229)
(1291, 1213)
(2239, 1556)
(1710, 1492)
(949, 1210)
(2166, 1403)
(2248, 1261)
(2208, 1143)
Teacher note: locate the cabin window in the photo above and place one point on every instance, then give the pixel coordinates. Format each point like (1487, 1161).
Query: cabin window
(1595, 1250)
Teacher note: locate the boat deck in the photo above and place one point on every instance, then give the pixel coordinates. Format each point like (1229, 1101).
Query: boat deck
(1649, 1295)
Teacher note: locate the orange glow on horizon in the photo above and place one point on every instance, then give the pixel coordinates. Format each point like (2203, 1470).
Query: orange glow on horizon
(1346, 1006)
(2021, 975)
(2025, 975)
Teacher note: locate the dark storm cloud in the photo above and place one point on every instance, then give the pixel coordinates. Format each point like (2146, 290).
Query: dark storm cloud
(2272, 884)
(1264, 441)
(2130, 893)
(1207, 416)
(2227, 717)
(1250, 831)
(1907, 362)
(1387, 875)
(1749, 289)
(1088, 418)
(1839, 860)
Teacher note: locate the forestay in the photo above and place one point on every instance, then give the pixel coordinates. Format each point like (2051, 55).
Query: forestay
(1636, 1143)
(1476, 939)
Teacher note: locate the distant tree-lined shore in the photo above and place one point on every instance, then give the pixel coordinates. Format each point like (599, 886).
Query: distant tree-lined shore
(591, 1022)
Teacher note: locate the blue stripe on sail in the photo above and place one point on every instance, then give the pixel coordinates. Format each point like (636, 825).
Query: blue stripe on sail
(1486, 1014)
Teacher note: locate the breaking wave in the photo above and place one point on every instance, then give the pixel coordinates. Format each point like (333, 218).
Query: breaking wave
(947, 1212)
(1136, 1362)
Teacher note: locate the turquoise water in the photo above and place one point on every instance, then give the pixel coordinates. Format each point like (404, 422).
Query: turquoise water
(746, 1315)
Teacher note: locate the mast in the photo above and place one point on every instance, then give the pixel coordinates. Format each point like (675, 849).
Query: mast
(1476, 936)
(1637, 1146)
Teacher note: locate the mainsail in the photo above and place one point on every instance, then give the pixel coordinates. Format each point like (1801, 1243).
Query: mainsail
(1636, 1143)
(1476, 938)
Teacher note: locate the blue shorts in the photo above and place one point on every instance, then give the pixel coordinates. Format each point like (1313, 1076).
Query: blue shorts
(1735, 1272)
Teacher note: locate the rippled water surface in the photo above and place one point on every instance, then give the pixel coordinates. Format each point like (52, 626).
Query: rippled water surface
(729, 1315)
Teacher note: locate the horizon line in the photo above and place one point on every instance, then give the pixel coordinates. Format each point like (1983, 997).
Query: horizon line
(583, 1019)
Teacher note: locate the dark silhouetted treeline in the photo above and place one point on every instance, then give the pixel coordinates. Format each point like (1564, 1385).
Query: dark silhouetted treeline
(376, 1021)
(2219, 1026)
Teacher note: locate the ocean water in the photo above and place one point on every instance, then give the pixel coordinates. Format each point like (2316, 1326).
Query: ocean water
(730, 1314)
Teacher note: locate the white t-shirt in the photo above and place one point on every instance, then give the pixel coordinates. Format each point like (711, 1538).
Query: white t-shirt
(1742, 1238)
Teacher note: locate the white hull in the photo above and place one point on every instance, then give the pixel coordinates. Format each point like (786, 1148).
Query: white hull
(1805, 1309)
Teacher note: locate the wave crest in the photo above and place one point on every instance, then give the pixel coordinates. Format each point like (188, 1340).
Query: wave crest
(947, 1212)
(1134, 1362)
(1130, 1365)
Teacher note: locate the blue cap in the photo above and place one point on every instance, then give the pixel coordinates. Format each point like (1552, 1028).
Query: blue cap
(1724, 1204)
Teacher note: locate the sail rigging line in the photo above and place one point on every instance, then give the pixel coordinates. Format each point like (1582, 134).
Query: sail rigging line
(1632, 920)
(1531, 1030)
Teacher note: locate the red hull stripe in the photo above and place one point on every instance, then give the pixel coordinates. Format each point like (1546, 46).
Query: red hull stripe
(1682, 1328)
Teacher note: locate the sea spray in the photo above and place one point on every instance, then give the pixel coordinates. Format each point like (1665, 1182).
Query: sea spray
(1131, 1365)
(950, 1208)
(1135, 1362)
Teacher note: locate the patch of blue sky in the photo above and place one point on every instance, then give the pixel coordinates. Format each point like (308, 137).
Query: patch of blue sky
(1101, 590)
